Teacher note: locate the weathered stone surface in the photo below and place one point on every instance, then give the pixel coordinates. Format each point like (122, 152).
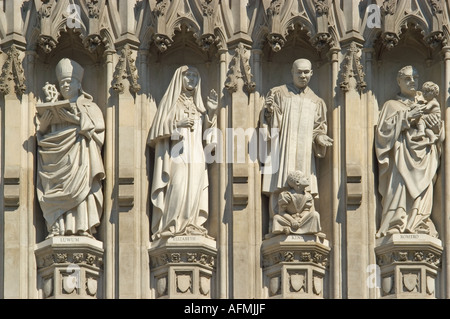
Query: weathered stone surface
(242, 50)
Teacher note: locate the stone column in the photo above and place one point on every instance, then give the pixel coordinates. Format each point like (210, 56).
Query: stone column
(409, 265)
(70, 268)
(446, 166)
(183, 267)
(295, 267)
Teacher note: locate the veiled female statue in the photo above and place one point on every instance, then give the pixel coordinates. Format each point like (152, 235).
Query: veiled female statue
(179, 191)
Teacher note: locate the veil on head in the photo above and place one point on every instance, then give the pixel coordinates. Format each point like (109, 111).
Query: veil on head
(165, 115)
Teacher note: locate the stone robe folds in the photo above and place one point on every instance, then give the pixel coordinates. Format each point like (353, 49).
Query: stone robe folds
(407, 170)
(179, 192)
(70, 170)
(300, 115)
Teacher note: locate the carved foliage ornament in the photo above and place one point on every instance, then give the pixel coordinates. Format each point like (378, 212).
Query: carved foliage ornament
(424, 256)
(296, 257)
(322, 7)
(46, 9)
(93, 9)
(12, 70)
(388, 7)
(275, 7)
(187, 257)
(353, 67)
(435, 6)
(240, 69)
(207, 8)
(126, 69)
(161, 8)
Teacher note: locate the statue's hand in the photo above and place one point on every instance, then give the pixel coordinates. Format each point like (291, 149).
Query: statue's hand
(270, 104)
(68, 116)
(324, 140)
(295, 224)
(186, 122)
(44, 121)
(212, 101)
(432, 121)
(415, 113)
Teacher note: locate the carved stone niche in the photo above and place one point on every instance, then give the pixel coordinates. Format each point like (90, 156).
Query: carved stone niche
(295, 267)
(183, 267)
(70, 267)
(409, 266)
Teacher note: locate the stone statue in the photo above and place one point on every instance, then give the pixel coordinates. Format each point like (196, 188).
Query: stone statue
(300, 117)
(408, 146)
(70, 167)
(296, 214)
(179, 192)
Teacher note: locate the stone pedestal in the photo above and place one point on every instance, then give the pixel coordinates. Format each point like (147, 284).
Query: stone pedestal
(183, 267)
(70, 267)
(295, 266)
(409, 265)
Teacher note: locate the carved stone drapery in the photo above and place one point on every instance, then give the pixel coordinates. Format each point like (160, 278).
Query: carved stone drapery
(126, 69)
(12, 70)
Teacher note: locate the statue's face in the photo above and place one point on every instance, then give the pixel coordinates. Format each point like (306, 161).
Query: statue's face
(70, 88)
(301, 73)
(409, 83)
(190, 80)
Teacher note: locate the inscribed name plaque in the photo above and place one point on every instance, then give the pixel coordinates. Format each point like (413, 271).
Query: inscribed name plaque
(183, 267)
(70, 267)
(295, 266)
(409, 265)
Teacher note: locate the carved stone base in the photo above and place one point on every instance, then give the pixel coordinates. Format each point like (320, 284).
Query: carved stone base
(69, 268)
(183, 267)
(295, 266)
(409, 265)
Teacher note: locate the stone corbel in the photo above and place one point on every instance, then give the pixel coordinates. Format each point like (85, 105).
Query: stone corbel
(12, 71)
(93, 39)
(276, 37)
(240, 69)
(352, 67)
(46, 40)
(436, 38)
(389, 37)
(208, 38)
(161, 39)
(126, 69)
(323, 38)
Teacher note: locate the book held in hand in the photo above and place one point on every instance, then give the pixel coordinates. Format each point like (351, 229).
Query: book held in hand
(54, 107)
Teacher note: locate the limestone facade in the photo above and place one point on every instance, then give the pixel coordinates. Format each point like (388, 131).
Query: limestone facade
(242, 49)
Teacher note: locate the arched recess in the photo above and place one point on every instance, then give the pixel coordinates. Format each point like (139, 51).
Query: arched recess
(412, 49)
(184, 50)
(70, 45)
(275, 71)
